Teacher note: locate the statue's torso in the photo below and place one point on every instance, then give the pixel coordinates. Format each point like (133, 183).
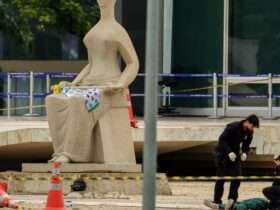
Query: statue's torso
(101, 44)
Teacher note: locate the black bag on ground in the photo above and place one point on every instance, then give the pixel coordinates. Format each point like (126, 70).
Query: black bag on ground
(78, 185)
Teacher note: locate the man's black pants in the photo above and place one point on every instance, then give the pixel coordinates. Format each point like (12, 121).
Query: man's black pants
(273, 195)
(227, 168)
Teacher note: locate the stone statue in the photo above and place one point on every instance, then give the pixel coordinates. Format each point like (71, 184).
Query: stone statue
(104, 135)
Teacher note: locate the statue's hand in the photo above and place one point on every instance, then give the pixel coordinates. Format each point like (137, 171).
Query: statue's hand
(64, 84)
(113, 88)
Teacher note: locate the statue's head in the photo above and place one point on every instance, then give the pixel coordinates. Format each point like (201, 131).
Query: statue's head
(106, 3)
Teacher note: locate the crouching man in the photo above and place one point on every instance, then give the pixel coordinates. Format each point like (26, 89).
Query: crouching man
(233, 147)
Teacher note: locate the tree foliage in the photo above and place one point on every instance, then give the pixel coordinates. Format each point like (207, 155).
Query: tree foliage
(23, 18)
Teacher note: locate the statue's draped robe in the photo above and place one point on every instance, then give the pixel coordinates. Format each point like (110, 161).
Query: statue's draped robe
(72, 126)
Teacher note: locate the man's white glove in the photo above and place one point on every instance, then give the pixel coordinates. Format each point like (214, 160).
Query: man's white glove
(243, 157)
(232, 156)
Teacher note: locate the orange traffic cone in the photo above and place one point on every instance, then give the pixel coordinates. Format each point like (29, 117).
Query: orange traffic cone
(4, 186)
(4, 197)
(5, 200)
(130, 112)
(56, 168)
(55, 195)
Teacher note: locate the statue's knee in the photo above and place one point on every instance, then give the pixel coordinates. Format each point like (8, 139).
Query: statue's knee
(74, 100)
(49, 100)
(55, 101)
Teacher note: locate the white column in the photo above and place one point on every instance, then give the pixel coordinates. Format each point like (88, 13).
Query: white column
(167, 46)
(9, 85)
(225, 53)
(167, 35)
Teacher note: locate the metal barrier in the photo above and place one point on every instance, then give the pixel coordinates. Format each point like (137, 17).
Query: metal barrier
(69, 177)
(31, 94)
(231, 80)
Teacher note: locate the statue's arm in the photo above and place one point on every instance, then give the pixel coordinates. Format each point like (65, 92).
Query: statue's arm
(130, 58)
(81, 75)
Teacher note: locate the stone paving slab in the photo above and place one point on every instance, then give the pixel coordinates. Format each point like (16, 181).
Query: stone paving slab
(185, 195)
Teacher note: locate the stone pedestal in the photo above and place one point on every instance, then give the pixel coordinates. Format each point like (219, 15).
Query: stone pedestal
(101, 179)
(83, 168)
(98, 184)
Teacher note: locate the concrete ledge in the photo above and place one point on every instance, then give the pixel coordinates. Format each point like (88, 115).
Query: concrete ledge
(18, 135)
(83, 168)
(101, 184)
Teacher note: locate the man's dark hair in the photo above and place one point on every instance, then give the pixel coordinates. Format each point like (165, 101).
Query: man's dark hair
(254, 120)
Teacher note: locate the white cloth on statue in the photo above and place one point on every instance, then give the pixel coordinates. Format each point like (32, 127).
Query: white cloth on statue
(91, 96)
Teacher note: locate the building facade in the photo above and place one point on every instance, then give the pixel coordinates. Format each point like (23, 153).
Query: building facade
(236, 39)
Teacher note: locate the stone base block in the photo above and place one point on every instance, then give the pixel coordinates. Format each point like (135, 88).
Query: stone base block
(98, 184)
(83, 168)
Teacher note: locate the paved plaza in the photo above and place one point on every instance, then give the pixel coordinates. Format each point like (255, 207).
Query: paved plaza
(186, 195)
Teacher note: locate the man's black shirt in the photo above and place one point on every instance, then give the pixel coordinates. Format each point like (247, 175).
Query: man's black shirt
(231, 138)
(276, 173)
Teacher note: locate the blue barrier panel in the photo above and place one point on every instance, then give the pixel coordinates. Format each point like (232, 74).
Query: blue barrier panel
(244, 75)
(40, 95)
(20, 75)
(40, 74)
(190, 75)
(235, 96)
(3, 95)
(189, 95)
(179, 75)
(19, 94)
(177, 95)
(3, 75)
(63, 75)
(186, 75)
(248, 96)
(23, 95)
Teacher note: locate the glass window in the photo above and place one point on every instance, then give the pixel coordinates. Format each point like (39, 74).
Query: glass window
(254, 44)
(255, 36)
(197, 47)
(134, 21)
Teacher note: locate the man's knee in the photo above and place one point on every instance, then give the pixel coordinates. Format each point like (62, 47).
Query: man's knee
(220, 183)
(236, 182)
(267, 192)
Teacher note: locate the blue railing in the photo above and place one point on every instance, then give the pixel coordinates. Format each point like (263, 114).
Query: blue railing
(178, 94)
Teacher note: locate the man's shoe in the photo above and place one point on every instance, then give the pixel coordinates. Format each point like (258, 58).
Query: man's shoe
(211, 204)
(229, 204)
